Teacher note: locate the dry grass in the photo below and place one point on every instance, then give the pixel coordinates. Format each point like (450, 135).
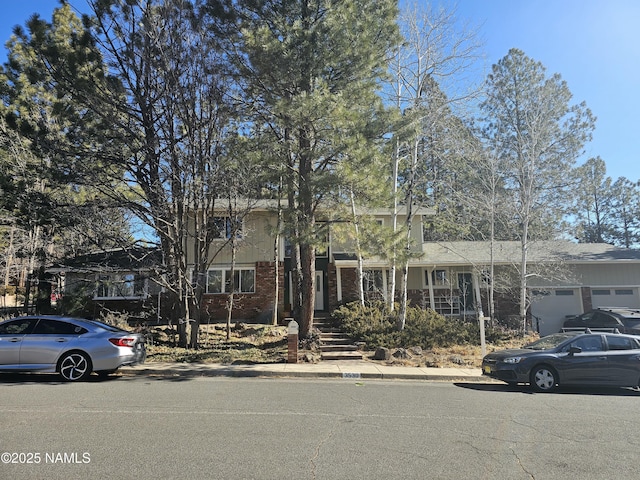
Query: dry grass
(250, 343)
(457, 356)
(247, 344)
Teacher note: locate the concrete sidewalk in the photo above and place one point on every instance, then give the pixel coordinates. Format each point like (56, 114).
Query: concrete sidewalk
(345, 369)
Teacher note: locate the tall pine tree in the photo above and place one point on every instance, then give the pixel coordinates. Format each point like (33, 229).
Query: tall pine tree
(312, 69)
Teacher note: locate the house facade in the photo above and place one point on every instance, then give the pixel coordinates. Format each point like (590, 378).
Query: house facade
(452, 278)
(121, 280)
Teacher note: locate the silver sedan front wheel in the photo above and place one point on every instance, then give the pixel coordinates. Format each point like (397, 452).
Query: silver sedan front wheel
(74, 366)
(543, 379)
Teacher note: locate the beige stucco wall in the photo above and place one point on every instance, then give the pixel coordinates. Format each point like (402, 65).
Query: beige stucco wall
(255, 245)
(594, 274)
(341, 245)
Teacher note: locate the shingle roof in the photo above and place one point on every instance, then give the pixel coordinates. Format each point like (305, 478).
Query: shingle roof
(538, 252)
(136, 258)
(509, 252)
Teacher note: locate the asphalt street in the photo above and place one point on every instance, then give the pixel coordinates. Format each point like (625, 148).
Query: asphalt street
(138, 427)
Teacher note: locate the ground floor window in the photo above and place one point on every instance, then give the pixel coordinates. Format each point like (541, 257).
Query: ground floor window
(373, 281)
(220, 280)
(439, 278)
(120, 285)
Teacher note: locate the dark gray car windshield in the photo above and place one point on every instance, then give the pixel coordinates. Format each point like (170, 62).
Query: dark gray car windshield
(549, 342)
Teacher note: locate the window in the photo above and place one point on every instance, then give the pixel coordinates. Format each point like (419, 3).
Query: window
(600, 319)
(55, 327)
(215, 281)
(120, 285)
(591, 343)
(600, 292)
(226, 226)
(564, 293)
(621, 343)
(17, 327)
(541, 293)
(219, 281)
(373, 281)
(439, 277)
(624, 291)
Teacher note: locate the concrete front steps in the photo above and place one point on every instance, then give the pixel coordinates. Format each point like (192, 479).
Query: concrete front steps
(334, 343)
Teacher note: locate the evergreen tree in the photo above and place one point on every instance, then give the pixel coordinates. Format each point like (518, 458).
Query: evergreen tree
(594, 196)
(625, 210)
(312, 70)
(537, 135)
(46, 196)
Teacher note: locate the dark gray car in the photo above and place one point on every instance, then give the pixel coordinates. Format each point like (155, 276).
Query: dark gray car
(72, 347)
(624, 320)
(598, 359)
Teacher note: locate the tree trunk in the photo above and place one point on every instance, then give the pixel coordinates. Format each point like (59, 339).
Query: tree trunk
(308, 255)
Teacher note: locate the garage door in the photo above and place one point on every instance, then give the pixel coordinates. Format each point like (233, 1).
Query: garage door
(615, 297)
(549, 308)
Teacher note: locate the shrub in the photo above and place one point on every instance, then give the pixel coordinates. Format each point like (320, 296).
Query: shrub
(76, 303)
(8, 290)
(375, 325)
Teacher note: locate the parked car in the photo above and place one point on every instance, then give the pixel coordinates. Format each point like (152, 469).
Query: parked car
(571, 358)
(624, 320)
(72, 347)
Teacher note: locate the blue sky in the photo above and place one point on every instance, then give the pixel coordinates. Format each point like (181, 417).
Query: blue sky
(593, 44)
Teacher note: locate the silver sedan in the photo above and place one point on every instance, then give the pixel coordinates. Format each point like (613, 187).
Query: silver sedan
(72, 347)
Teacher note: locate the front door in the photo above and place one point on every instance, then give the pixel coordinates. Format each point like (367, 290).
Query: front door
(319, 303)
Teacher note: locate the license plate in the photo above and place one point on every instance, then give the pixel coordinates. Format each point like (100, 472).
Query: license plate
(487, 369)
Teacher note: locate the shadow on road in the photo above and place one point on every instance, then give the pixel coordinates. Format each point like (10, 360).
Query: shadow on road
(50, 378)
(54, 379)
(499, 387)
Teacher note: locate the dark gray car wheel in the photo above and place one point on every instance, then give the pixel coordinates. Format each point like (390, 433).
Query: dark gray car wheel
(543, 378)
(74, 366)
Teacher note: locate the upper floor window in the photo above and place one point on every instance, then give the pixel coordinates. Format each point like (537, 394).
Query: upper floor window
(226, 226)
(120, 285)
(322, 248)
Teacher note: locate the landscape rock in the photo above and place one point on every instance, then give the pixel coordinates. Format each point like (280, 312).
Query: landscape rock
(402, 353)
(382, 353)
(417, 351)
(456, 359)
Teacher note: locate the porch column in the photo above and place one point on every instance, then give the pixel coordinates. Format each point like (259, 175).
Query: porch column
(339, 283)
(432, 300)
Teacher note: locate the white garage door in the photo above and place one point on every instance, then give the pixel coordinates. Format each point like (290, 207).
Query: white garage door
(615, 297)
(550, 308)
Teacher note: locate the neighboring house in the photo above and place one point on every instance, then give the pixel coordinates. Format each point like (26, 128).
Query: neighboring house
(110, 281)
(565, 278)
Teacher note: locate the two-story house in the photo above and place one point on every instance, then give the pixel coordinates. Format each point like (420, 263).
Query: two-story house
(452, 278)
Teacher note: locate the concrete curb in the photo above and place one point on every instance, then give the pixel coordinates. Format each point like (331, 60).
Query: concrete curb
(346, 370)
